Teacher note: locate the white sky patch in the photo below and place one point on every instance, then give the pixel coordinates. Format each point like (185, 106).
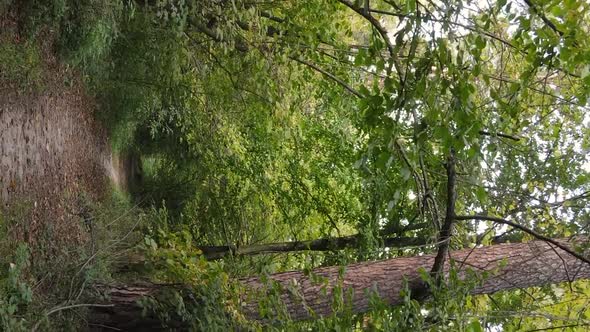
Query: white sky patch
(383, 221)
(483, 227)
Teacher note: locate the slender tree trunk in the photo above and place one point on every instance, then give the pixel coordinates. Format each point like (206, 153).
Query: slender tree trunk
(511, 266)
(323, 244)
(136, 261)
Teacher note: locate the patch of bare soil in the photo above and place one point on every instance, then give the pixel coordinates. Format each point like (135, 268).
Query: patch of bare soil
(52, 150)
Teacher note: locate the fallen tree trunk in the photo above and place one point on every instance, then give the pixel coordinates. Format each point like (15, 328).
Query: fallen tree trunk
(323, 244)
(511, 266)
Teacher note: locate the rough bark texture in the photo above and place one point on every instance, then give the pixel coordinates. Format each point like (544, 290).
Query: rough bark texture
(526, 265)
(126, 313)
(512, 266)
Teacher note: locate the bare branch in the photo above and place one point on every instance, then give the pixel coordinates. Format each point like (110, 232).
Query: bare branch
(67, 307)
(528, 231)
(328, 75)
(487, 133)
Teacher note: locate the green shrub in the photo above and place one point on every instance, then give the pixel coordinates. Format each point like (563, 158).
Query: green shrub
(15, 292)
(88, 29)
(84, 29)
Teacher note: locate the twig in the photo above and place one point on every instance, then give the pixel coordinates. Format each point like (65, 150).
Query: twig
(239, 45)
(72, 306)
(487, 133)
(428, 193)
(126, 212)
(415, 176)
(329, 75)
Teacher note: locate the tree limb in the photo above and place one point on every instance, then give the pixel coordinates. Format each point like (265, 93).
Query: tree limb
(67, 307)
(322, 244)
(377, 25)
(447, 228)
(374, 22)
(528, 231)
(475, 29)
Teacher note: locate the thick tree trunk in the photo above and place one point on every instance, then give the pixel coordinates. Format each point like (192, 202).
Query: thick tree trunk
(511, 266)
(519, 265)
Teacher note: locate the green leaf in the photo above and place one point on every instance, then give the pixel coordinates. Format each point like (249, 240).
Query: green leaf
(411, 6)
(474, 326)
(481, 194)
(365, 92)
(480, 42)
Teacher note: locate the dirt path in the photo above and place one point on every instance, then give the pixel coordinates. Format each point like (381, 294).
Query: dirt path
(49, 143)
(52, 149)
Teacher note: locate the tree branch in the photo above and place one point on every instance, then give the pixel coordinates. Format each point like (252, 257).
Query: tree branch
(528, 231)
(328, 75)
(377, 25)
(322, 244)
(539, 13)
(447, 228)
(374, 22)
(67, 307)
(487, 133)
(475, 29)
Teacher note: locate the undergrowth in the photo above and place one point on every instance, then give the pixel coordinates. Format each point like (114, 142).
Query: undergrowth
(20, 64)
(84, 29)
(41, 281)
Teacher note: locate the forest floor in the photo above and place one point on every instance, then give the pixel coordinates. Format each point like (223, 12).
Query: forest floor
(54, 154)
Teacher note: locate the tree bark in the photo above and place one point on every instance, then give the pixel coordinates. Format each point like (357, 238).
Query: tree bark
(126, 313)
(510, 266)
